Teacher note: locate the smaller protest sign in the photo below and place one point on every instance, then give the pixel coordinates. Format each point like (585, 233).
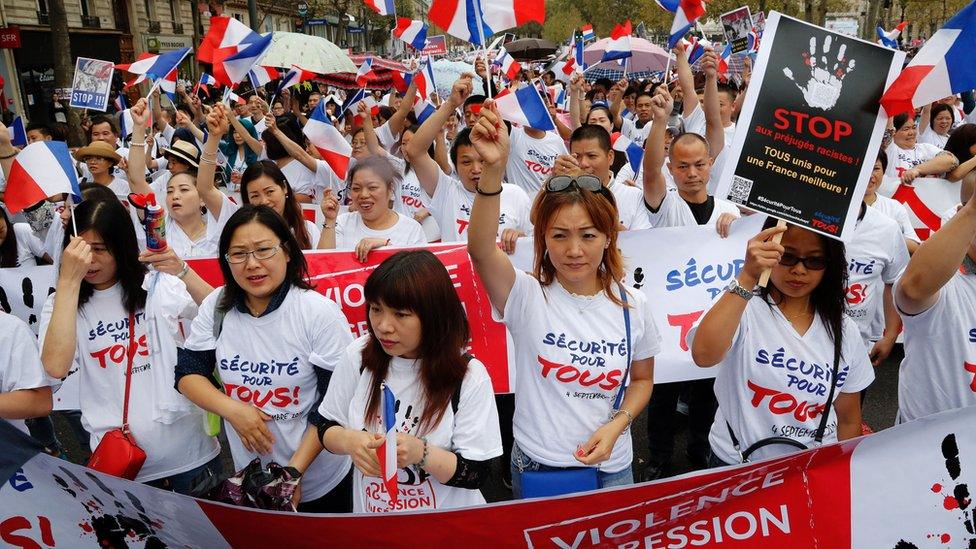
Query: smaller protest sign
(92, 84)
(808, 133)
(23, 291)
(759, 22)
(737, 24)
(436, 45)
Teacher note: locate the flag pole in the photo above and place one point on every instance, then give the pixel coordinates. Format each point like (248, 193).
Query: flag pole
(71, 210)
(484, 46)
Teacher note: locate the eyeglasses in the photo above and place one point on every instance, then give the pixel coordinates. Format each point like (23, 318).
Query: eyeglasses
(817, 263)
(562, 183)
(261, 254)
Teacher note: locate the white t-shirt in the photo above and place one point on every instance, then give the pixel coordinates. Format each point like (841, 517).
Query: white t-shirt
(326, 178)
(121, 187)
(530, 160)
(29, 247)
(20, 360)
(897, 211)
(102, 333)
(900, 159)
(568, 372)
(314, 233)
(350, 229)
(206, 245)
(635, 134)
(411, 198)
(876, 256)
(695, 122)
(270, 363)
(769, 360)
(451, 206)
(472, 432)
(301, 179)
(675, 212)
(630, 206)
(931, 138)
(937, 372)
(386, 138)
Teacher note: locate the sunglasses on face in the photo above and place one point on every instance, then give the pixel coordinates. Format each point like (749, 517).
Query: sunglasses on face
(818, 263)
(562, 183)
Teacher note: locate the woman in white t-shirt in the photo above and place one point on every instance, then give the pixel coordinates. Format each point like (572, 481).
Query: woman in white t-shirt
(109, 314)
(275, 343)
(577, 330)
(373, 223)
(788, 353)
(19, 246)
(445, 416)
(936, 124)
(908, 159)
(195, 210)
(263, 184)
(301, 179)
(889, 206)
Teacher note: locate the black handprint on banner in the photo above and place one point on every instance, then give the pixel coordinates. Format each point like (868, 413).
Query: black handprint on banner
(638, 278)
(824, 83)
(959, 500)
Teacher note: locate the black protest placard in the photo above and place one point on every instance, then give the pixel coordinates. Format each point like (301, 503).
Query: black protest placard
(810, 127)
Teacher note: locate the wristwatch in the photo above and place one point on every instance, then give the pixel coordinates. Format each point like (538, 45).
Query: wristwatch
(736, 289)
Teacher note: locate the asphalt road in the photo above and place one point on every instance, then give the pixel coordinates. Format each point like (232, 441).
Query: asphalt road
(878, 412)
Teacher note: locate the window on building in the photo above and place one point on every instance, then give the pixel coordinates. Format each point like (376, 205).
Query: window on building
(84, 8)
(237, 16)
(174, 12)
(149, 10)
(42, 6)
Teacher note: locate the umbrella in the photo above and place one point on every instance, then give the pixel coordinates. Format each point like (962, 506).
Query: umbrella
(530, 49)
(647, 57)
(312, 53)
(446, 72)
(380, 78)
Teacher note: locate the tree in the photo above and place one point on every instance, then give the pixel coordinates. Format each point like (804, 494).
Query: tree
(63, 67)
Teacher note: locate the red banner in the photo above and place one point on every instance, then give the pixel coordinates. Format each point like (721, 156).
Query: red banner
(905, 487)
(339, 276)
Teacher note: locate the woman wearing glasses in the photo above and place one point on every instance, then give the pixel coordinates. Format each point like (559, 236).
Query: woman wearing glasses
(274, 342)
(569, 371)
(788, 351)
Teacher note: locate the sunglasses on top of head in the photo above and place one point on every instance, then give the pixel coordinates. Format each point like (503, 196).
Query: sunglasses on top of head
(591, 183)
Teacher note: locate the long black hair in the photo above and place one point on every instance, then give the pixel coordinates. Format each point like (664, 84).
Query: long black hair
(112, 223)
(296, 272)
(416, 281)
(292, 211)
(8, 249)
(829, 298)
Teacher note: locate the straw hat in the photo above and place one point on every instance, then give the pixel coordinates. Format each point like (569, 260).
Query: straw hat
(98, 148)
(187, 152)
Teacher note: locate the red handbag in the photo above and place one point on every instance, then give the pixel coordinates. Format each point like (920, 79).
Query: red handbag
(117, 453)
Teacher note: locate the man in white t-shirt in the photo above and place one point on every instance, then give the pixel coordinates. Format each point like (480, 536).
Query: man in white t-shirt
(936, 298)
(451, 199)
(532, 155)
(104, 129)
(593, 155)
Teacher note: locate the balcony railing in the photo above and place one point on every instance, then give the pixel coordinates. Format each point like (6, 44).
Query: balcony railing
(42, 18)
(90, 22)
(177, 28)
(154, 27)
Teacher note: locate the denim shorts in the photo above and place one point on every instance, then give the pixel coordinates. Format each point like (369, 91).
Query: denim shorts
(521, 462)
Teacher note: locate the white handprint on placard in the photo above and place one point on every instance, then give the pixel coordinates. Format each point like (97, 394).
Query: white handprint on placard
(822, 89)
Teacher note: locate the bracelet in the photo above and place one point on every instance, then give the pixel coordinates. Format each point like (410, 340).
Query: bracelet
(186, 269)
(326, 226)
(208, 161)
(423, 461)
(11, 155)
(630, 417)
(139, 144)
(478, 190)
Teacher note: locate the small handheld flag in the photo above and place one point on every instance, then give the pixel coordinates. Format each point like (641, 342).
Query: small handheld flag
(387, 453)
(43, 169)
(412, 32)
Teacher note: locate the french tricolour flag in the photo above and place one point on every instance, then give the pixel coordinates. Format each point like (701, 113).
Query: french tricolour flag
(525, 107)
(943, 67)
(587, 31)
(294, 76)
(233, 69)
(365, 70)
(259, 76)
(120, 102)
(723, 60)
(43, 169)
(619, 45)
(382, 7)
(695, 47)
(687, 12)
(424, 79)
(890, 38)
(422, 109)
(633, 151)
(412, 32)
(326, 139)
(225, 37)
(156, 66)
(459, 17)
(18, 134)
(507, 65)
(387, 453)
(229, 96)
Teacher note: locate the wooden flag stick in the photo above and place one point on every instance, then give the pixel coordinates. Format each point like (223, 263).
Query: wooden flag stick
(764, 278)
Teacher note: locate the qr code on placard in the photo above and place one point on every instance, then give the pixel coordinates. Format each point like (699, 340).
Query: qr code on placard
(740, 190)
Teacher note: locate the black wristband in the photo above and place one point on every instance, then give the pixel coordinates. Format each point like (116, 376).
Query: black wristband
(477, 189)
(11, 155)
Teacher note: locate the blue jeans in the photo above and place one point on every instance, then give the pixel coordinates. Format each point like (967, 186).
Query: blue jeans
(193, 481)
(521, 462)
